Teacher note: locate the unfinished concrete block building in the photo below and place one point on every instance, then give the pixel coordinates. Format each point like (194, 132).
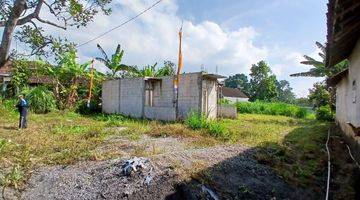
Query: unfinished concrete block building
(154, 98)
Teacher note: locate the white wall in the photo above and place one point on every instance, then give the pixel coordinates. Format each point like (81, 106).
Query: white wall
(348, 99)
(234, 99)
(209, 98)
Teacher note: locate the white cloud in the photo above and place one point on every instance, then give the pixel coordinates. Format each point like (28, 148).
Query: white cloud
(154, 38)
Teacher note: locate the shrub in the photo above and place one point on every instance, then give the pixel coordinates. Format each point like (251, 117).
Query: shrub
(284, 109)
(82, 108)
(214, 128)
(195, 121)
(223, 101)
(40, 99)
(217, 129)
(324, 113)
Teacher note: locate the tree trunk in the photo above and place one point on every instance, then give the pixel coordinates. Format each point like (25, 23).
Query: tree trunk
(17, 10)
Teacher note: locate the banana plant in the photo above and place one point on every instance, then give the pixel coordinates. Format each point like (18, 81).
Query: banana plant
(114, 63)
(319, 69)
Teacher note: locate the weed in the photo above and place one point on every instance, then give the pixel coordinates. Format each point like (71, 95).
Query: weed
(196, 121)
(212, 127)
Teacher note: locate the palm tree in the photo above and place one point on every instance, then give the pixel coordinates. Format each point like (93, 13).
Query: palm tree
(319, 69)
(114, 64)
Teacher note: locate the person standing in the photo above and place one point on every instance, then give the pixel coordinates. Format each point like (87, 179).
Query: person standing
(22, 107)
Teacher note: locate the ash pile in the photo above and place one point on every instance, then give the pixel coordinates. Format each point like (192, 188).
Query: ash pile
(135, 178)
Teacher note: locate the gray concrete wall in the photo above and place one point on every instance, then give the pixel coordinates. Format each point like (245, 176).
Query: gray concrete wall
(127, 96)
(227, 111)
(160, 113)
(132, 97)
(209, 98)
(110, 96)
(164, 92)
(189, 94)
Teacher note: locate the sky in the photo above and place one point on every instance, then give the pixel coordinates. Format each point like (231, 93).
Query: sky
(227, 35)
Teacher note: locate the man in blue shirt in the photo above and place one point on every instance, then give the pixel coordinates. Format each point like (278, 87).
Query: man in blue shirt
(22, 107)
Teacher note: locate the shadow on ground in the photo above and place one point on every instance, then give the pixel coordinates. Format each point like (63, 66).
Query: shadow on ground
(294, 169)
(250, 175)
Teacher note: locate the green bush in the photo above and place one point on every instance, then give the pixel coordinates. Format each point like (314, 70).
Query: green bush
(40, 99)
(217, 129)
(324, 113)
(272, 109)
(214, 128)
(195, 121)
(82, 108)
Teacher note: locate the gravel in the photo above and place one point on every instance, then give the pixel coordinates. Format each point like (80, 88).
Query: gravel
(228, 172)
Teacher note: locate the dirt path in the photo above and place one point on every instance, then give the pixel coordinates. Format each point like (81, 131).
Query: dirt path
(179, 172)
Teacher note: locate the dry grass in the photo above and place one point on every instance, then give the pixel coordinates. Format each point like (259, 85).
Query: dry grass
(66, 137)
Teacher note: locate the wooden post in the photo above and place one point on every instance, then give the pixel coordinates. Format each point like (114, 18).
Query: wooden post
(91, 83)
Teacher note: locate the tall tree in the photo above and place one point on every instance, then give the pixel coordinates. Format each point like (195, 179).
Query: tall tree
(285, 93)
(319, 95)
(239, 81)
(27, 15)
(263, 82)
(114, 63)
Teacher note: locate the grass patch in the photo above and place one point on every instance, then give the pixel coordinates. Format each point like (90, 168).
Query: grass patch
(212, 127)
(293, 147)
(272, 109)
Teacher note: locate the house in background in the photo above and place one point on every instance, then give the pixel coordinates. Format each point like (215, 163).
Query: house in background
(343, 42)
(154, 98)
(6, 73)
(5, 78)
(233, 95)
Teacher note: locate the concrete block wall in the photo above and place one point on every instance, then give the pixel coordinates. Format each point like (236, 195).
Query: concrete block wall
(164, 92)
(160, 113)
(227, 111)
(127, 97)
(132, 97)
(189, 94)
(209, 98)
(110, 96)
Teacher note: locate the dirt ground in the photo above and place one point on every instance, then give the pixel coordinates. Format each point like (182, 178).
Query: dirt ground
(345, 182)
(179, 171)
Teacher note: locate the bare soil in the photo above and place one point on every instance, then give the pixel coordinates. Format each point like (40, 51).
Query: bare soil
(179, 172)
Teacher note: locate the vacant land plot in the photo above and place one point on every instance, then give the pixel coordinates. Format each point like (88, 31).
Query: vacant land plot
(292, 148)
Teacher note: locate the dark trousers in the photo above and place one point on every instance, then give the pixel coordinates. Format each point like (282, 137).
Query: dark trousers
(22, 120)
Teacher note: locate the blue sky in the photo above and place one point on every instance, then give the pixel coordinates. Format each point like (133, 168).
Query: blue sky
(290, 25)
(230, 34)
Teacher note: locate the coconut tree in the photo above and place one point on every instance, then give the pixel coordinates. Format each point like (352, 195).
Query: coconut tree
(319, 69)
(114, 63)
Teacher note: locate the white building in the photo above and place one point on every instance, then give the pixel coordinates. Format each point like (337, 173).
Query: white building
(233, 95)
(344, 43)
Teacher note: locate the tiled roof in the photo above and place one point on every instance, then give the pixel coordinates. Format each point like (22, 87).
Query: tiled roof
(343, 29)
(232, 92)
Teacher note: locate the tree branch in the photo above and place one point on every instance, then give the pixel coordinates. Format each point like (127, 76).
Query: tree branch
(50, 23)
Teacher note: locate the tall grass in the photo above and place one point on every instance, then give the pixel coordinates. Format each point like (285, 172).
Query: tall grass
(272, 109)
(197, 121)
